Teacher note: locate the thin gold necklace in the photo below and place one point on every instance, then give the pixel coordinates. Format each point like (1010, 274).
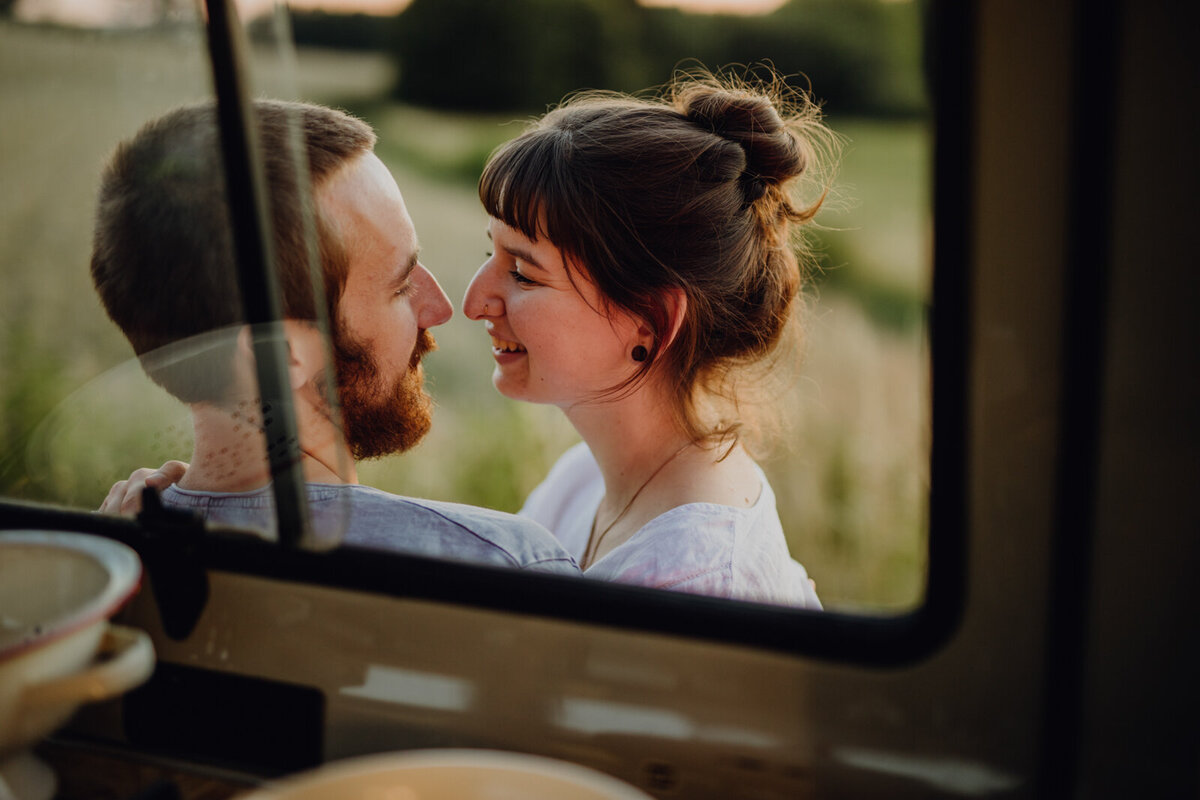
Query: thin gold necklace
(594, 540)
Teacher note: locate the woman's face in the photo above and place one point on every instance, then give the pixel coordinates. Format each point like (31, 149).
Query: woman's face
(551, 339)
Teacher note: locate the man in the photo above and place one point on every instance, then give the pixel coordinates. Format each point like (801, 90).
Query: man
(162, 264)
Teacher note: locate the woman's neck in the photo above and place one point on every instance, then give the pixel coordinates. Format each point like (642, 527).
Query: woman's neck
(650, 466)
(629, 437)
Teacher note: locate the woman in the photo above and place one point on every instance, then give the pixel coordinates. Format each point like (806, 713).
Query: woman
(645, 268)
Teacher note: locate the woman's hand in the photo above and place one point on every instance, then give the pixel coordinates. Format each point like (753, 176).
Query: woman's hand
(125, 497)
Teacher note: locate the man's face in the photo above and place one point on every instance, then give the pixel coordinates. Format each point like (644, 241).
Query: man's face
(388, 303)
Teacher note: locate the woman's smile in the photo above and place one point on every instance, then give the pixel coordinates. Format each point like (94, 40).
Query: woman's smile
(504, 346)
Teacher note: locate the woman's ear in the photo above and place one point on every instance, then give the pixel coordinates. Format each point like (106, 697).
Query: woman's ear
(675, 305)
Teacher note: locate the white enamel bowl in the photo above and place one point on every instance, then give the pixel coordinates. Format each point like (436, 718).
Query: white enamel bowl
(450, 775)
(57, 648)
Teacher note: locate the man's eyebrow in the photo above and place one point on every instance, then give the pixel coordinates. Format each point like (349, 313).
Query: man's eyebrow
(403, 274)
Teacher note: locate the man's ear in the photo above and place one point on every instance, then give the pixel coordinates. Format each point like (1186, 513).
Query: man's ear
(306, 351)
(245, 345)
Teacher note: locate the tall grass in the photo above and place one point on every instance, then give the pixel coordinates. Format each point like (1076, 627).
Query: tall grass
(76, 413)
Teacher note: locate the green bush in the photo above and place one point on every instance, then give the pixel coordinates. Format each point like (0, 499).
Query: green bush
(31, 383)
(858, 56)
(519, 54)
(324, 29)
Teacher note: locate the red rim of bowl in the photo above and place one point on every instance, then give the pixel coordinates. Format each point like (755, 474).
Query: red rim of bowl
(124, 570)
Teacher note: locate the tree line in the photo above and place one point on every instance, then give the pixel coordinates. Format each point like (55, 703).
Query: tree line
(860, 57)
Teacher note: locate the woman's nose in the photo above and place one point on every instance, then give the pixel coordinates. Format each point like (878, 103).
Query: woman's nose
(481, 300)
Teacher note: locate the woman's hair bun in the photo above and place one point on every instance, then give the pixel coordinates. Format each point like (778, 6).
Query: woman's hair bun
(751, 120)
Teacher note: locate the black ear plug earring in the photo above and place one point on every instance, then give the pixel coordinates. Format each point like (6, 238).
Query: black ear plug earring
(639, 353)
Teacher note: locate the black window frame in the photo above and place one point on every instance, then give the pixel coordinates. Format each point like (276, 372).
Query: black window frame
(170, 540)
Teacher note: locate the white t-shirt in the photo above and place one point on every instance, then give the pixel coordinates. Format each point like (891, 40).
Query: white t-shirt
(703, 548)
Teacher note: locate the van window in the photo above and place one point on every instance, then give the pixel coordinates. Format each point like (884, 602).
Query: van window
(851, 475)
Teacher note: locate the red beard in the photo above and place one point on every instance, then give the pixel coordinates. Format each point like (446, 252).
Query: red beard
(379, 418)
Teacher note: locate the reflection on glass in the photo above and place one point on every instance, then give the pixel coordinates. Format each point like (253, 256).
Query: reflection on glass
(849, 476)
(69, 456)
(69, 94)
(605, 717)
(598, 717)
(412, 687)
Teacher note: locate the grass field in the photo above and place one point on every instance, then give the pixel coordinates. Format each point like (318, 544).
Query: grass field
(75, 413)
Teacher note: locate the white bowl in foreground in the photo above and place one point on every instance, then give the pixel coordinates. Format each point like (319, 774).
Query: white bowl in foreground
(57, 648)
(52, 584)
(450, 775)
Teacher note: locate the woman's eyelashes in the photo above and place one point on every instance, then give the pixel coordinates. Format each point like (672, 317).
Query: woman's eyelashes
(521, 279)
(517, 276)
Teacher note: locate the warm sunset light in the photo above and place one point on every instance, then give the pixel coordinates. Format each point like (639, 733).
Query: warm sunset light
(102, 12)
(393, 6)
(720, 6)
(381, 7)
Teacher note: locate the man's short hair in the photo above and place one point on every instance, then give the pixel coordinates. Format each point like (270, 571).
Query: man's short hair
(162, 256)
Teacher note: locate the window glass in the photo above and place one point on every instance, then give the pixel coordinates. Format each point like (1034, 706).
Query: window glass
(443, 83)
(107, 253)
(76, 81)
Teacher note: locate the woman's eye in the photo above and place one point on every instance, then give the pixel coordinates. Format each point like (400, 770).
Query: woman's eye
(521, 279)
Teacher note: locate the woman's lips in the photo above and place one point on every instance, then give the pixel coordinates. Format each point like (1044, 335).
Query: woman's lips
(504, 346)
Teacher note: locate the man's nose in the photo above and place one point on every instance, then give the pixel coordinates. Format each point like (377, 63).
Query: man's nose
(435, 305)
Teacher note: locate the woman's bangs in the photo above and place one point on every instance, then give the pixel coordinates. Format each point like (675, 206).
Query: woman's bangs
(513, 186)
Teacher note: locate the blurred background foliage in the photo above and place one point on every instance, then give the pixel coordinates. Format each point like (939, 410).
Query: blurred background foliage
(861, 56)
(444, 82)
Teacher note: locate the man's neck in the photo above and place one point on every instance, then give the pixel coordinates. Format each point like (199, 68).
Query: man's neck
(229, 454)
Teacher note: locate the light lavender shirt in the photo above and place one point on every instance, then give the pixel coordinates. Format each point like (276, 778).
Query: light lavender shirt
(361, 516)
(703, 548)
